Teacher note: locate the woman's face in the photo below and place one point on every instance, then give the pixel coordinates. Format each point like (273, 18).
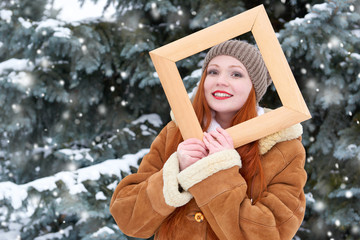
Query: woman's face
(227, 85)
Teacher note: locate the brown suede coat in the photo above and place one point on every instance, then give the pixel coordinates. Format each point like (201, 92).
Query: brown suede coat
(213, 188)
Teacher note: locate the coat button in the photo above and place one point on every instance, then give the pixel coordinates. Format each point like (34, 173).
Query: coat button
(199, 217)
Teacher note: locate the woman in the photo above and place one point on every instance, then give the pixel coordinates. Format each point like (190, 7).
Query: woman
(206, 189)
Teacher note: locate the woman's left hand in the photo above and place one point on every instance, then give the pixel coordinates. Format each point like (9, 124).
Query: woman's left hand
(218, 140)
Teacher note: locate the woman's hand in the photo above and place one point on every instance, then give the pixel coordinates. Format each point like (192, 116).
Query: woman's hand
(218, 140)
(190, 151)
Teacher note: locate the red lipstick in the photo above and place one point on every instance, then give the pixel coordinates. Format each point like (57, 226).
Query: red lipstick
(221, 95)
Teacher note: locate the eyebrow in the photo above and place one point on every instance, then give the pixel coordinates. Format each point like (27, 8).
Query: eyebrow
(238, 66)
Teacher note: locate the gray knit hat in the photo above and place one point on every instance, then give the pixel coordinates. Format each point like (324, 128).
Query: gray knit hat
(248, 55)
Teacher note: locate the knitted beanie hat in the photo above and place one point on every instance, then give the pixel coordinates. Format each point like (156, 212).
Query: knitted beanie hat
(250, 57)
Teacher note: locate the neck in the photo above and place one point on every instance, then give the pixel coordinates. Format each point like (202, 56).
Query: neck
(224, 119)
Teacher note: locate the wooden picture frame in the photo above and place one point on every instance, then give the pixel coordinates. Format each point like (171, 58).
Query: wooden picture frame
(294, 109)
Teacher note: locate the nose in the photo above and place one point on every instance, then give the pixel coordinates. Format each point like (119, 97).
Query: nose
(222, 80)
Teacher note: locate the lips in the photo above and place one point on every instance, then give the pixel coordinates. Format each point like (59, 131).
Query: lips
(221, 95)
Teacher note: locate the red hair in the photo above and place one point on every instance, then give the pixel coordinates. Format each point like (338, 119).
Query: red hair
(250, 156)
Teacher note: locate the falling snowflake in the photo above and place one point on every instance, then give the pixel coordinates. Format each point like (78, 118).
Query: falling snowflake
(102, 109)
(337, 222)
(319, 206)
(348, 194)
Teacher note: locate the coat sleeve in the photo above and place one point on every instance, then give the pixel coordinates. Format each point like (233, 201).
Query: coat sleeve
(278, 214)
(138, 204)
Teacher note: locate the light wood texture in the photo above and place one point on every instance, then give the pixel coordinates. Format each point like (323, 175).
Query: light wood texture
(294, 109)
(264, 125)
(277, 64)
(177, 97)
(208, 37)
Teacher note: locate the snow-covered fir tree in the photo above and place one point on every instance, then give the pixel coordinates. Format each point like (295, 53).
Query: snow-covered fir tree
(324, 50)
(81, 103)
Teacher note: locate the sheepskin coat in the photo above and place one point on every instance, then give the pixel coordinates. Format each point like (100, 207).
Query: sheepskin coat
(214, 193)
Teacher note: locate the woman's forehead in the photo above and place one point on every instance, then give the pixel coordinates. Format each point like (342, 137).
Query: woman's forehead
(226, 60)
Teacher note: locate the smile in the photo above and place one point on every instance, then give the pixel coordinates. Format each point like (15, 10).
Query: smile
(221, 95)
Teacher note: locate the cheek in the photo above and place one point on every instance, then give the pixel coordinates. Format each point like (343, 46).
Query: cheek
(247, 86)
(243, 91)
(207, 86)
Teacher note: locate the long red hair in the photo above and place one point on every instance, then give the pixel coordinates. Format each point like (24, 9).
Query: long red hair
(249, 153)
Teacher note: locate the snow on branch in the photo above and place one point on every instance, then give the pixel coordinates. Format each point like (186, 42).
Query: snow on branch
(16, 194)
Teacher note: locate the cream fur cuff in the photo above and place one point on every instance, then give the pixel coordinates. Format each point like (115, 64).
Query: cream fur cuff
(171, 186)
(207, 166)
(266, 143)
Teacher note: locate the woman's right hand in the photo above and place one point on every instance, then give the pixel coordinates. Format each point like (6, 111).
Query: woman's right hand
(190, 151)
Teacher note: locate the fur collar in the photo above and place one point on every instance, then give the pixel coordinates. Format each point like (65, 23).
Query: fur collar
(293, 132)
(266, 143)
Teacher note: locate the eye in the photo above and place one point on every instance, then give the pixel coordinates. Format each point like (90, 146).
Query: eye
(236, 74)
(212, 72)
